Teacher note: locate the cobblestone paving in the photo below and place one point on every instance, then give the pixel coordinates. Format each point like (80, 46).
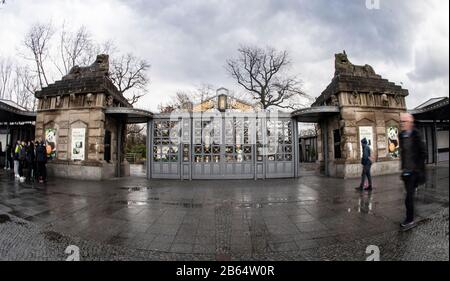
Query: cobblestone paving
(310, 218)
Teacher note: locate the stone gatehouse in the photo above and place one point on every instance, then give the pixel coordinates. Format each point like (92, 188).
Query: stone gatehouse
(358, 103)
(72, 118)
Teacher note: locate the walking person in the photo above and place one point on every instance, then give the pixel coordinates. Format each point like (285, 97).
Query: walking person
(16, 159)
(35, 164)
(366, 162)
(30, 159)
(22, 155)
(9, 157)
(41, 160)
(413, 155)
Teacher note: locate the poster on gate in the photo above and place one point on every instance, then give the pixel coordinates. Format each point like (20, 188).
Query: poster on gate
(78, 143)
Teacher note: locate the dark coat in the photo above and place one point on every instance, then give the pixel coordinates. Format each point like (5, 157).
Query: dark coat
(365, 159)
(413, 153)
(41, 153)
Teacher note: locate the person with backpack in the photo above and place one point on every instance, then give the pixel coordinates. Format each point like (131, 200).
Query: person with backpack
(412, 154)
(41, 160)
(367, 163)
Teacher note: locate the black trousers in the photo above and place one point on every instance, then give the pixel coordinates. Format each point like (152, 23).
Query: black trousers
(21, 167)
(30, 170)
(411, 183)
(366, 173)
(41, 170)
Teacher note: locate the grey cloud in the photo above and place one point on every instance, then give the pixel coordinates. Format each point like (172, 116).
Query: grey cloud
(430, 64)
(187, 42)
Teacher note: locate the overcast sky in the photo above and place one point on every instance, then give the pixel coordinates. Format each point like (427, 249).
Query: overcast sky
(188, 41)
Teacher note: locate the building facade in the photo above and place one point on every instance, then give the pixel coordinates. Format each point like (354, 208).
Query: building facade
(357, 104)
(83, 117)
(72, 118)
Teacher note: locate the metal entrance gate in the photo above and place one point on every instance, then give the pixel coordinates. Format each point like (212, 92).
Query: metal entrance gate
(222, 146)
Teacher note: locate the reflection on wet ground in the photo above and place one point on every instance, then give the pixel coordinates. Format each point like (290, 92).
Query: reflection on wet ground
(219, 217)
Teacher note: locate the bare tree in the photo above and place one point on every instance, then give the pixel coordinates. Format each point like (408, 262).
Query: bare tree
(75, 48)
(262, 72)
(129, 73)
(37, 42)
(23, 88)
(17, 83)
(176, 103)
(181, 98)
(6, 71)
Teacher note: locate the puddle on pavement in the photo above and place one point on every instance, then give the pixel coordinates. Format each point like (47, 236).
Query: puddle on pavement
(132, 202)
(276, 202)
(251, 205)
(52, 235)
(184, 204)
(135, 188)
(4, 218)
(145, 203)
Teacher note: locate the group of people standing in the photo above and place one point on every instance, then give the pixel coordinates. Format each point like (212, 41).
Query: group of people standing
(28, 159)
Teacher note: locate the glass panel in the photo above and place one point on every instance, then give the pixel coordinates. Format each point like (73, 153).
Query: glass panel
(230, 158)
(165, 141)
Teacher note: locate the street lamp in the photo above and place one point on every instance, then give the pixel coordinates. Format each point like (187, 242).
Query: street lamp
(222, 102)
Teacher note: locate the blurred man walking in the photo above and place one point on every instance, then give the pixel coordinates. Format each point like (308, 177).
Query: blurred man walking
(412, 153)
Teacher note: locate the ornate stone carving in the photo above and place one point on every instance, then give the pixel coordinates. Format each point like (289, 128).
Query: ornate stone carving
(370, 98)
(353, 98)
(344, 66)
(89, 98)
(99, 68)
(334, 100)
(58, 101)
(397, 99)
(384, 100)
(109, 101)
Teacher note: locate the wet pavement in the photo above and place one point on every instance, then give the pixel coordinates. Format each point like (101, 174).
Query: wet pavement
(307, 218)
